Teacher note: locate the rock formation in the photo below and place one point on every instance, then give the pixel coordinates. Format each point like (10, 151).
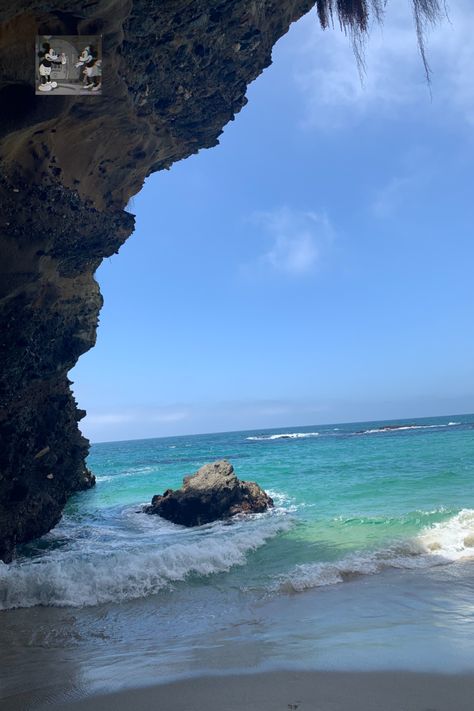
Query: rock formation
(212, 493)
(175, 72)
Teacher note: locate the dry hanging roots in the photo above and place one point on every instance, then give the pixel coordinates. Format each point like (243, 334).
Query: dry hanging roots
(354, 15)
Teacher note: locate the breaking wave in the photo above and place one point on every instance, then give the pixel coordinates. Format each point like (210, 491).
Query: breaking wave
(398, 428)
(286, 435)
(440, 544)
(85, 577)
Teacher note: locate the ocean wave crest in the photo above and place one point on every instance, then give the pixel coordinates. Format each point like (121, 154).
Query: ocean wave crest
(79, 578)
(439, 544)
(398, 428)
(134, 472)
(286, 435)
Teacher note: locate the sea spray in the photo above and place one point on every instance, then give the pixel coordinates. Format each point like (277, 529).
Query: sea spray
(76, 579)
(440, 544)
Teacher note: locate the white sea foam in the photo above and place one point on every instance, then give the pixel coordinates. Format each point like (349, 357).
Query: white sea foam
(440, 544)
(398, 428)
(286, 435)
(453, 539)
(283, 503)
(87, 575)
(137, 471)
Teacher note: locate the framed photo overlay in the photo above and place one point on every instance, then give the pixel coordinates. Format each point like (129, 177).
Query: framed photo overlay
(68, 65)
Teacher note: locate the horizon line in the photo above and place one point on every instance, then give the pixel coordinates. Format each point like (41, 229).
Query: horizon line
(267, 429)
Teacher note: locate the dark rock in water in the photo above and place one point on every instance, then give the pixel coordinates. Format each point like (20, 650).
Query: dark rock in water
(214, 492)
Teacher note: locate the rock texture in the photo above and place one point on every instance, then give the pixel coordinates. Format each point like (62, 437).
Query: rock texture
(213, 493)
(175, 72)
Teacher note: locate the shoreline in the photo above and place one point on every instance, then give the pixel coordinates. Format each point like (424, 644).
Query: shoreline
(315, 644)
(290, 691)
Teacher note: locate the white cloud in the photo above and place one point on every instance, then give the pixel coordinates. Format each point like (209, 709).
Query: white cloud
(176, 416)
(291, 409)
(326, 71)
(108, 418)
(163, 415)
(169, 420)
(298, 240)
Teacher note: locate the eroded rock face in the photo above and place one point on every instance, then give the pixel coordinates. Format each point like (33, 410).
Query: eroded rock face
(175, 72)
(213, 493)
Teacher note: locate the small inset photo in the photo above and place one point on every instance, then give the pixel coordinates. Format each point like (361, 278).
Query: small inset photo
(68, 65)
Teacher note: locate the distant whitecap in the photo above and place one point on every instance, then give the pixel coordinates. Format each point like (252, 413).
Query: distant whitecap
(285, 435)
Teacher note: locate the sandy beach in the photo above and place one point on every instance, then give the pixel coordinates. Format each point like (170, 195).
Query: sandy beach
(290, 690)
(332, 649)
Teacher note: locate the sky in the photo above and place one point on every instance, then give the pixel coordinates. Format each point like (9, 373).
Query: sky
(315, 267)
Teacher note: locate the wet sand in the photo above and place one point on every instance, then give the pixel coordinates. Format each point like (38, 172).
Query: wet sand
(294, 691)
(201, 649)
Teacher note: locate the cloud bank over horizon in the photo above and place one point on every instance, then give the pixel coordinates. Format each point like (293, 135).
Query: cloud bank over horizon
(148, 423)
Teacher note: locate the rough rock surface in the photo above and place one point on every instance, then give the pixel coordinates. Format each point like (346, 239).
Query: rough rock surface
(212, 493)
(175, 72)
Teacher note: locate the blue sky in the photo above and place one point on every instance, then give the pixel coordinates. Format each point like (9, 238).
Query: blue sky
(315, 267)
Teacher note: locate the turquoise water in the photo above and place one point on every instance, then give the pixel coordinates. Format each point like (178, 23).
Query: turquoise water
(349, 499)
(365, 561)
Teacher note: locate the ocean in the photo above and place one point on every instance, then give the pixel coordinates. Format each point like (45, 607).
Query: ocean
(364, 563)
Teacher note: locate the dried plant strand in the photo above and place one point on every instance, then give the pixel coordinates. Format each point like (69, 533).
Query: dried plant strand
(354, 17)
